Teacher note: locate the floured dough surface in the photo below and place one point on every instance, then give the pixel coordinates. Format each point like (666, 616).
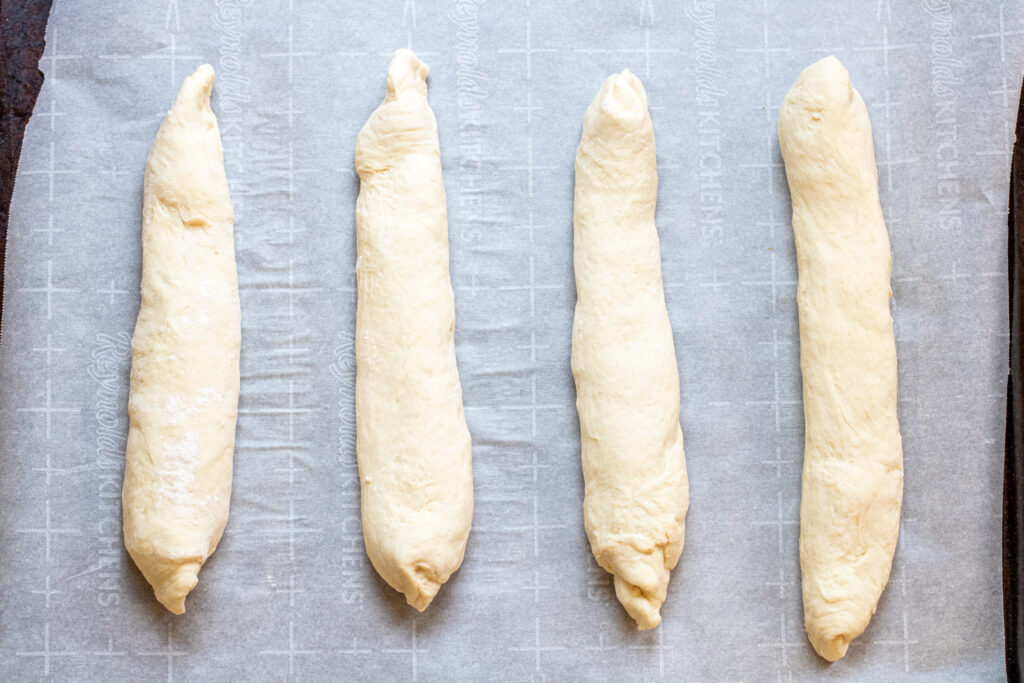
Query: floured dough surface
(412, 442)
(183, 394)
(623, 359)
(853, 455)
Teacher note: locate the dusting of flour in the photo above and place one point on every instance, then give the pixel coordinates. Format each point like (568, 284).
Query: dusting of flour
(177, 465)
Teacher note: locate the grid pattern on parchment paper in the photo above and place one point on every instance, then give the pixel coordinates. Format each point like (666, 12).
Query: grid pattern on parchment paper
(288, 286)
(290, 593)
(48, 527)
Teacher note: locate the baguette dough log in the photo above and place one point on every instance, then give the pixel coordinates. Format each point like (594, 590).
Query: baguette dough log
(412, 442)
(183, 395)
(623, 359)
(853, 455)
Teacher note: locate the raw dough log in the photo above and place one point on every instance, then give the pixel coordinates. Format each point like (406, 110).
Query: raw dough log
(412, 442)
(853, 455)
(183, 397)
(623, 359)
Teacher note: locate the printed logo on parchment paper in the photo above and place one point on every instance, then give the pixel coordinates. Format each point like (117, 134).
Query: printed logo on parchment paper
(470, 94)
(353, 557)
(945, 87)
(109, 365)
(709, 91)
(343, 369)
(232, 100)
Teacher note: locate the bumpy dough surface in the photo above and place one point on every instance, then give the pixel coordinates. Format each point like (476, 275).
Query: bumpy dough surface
(412, 442)
(853, 455)
(623, 359)
(183, 395)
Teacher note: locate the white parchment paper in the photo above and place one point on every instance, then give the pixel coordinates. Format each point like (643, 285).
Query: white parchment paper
(290, 593)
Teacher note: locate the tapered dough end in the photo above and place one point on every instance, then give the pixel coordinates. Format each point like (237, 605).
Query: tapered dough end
(642, 607)
(420, 586)
(827, 67)
(831, 646)
(832, 626)
(172, 575)
(406, 73)
(641, 580)
(621, 99)
(185, 181)
(824, 126)
(172, 590)
(827, 75)
(822, 86)
(195, 91)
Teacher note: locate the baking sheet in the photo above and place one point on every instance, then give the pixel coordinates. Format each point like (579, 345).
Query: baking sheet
(290, 593)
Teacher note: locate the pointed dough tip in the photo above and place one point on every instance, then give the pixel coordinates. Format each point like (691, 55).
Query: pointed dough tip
(406, 73)
(641, 606)
(419, 602)
(420, 587)
(420, 596)
(195, 91)
(628, 84)
(177, 587)
(622, 98)
(205, 71)
(821, 88)
(833, 648)
(202, 79)
(829, 70)
(829, 64)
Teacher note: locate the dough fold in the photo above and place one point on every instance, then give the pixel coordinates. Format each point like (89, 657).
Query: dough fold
(623, 358)
(412, 443)
(183, 393)
(853, 454)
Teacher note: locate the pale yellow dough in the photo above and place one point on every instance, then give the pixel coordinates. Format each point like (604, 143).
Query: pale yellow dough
(183, 395)
(623, 359)
(853, 455)
(412, 442)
